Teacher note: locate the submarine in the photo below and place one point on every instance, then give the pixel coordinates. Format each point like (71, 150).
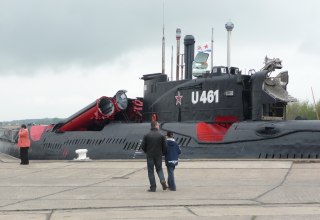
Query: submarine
(217, 113)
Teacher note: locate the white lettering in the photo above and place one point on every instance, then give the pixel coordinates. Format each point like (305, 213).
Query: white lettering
(210, 96)
(203, 97)
(195, 99)
(216, 95)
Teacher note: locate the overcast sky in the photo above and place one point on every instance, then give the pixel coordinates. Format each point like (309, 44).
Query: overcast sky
(58, 56)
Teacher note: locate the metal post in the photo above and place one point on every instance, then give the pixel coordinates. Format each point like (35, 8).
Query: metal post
(211, 66)
(163, 43)
(171, 62)
(229, 26)
(178, 36)
(189, 55)
(182, 65)
(163, 55)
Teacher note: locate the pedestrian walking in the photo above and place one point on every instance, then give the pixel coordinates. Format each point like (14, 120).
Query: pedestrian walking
(154, 145)
(171, 158)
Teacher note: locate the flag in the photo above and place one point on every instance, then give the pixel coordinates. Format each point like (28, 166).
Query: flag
(205, 48)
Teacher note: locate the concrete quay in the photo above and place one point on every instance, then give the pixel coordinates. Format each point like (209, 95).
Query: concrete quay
(116, 189)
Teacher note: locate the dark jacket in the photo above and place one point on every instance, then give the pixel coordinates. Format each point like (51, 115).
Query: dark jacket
(172, 153)
(154, 144)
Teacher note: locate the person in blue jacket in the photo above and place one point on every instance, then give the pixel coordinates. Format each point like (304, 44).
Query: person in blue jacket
(171, 157)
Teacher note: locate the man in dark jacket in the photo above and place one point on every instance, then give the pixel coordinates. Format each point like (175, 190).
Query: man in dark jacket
(172, 156)
(154, 145)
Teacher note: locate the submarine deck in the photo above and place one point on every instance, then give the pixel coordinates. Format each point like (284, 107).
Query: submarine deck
(206, 189)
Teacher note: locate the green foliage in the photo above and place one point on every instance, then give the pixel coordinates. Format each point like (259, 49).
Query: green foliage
(303, 109)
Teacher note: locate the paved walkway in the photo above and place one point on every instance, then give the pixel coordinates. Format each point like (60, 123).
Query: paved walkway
(206, 189)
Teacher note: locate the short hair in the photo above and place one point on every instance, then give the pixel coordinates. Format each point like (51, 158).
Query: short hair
(169, 134)
(154, 124)
(23, 126)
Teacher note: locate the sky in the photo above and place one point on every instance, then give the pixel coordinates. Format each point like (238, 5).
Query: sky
(56, 57)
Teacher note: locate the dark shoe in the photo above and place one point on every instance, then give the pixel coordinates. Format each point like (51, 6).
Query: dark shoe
(151, 190)
(164, 185)
(172, 189)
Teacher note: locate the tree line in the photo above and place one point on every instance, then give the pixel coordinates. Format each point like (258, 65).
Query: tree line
(303, 109)
(42, 121)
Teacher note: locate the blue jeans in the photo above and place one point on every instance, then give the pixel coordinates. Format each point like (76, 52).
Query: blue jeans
(151, 163)
(171, 182)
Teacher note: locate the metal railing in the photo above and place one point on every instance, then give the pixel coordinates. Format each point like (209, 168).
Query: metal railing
(9, 134)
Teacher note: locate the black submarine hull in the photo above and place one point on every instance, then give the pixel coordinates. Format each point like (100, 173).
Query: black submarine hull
(243, 140)
(222, 113)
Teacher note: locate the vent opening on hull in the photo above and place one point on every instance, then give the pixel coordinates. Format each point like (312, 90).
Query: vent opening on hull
(132, 146)
(288, 156)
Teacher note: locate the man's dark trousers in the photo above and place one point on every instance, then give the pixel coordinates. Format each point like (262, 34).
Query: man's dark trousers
(151, 163)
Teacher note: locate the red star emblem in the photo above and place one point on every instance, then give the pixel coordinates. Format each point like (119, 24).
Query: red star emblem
(178, 98)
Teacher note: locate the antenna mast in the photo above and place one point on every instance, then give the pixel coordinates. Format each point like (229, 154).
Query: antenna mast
(163, 42)
(314, 102)
(211, 66)
(178, 36)
(171, 63)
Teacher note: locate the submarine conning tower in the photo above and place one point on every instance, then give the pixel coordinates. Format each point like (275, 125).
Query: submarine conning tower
(219, 94)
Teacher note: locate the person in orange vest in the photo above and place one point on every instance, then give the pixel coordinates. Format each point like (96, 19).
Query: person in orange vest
(24, 144)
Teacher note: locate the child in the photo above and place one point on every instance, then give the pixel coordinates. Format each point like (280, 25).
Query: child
(171, 156)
